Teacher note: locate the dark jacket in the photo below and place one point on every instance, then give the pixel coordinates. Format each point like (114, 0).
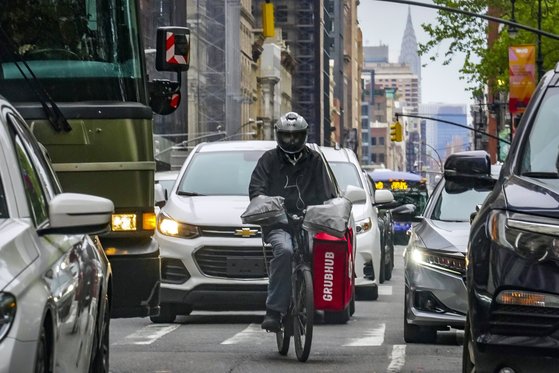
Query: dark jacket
(303, 184)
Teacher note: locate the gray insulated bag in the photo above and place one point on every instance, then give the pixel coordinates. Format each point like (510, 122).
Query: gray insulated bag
(265, 211)
(332, 217)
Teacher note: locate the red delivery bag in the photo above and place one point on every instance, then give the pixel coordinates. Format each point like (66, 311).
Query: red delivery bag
(332, 271)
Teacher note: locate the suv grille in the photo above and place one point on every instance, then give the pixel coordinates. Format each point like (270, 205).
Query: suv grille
(230, 232)
(524, 320)
(173, 271)
(233, 262)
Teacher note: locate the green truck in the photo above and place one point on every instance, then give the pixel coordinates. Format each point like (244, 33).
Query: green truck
(76, 70)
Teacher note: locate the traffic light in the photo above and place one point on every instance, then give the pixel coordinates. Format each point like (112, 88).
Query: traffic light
(396, 132)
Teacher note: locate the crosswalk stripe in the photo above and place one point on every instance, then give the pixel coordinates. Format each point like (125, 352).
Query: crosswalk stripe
(397, 359)
(251, 334)
(148, 334)
(373, 337)
(385, 290)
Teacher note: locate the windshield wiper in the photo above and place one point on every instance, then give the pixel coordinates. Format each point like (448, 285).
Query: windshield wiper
(53, 113)
(542, 175)
(191, 194)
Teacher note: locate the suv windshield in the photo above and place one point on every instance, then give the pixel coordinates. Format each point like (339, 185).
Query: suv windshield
(79, 49)
(540, 155)
(346, 174)
(458, 200)
(219, 173)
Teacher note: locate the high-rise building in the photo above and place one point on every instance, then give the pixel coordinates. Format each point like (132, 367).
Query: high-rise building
(375, 54)
(408, 49)
(305, 27)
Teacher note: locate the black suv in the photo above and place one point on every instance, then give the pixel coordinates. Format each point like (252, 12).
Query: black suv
(513, 258)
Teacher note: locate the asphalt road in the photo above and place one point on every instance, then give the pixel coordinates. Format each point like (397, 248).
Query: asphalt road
(372, 341)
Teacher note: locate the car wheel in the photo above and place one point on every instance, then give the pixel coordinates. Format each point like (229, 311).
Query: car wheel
(100, 362)
(166, 315)
(381, 277)
(367, 292)
(468, 351)
(416, 333)
(341, 317)
(388, 266)
(43, 358)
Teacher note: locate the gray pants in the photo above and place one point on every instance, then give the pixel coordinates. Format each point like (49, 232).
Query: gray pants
(279, 286)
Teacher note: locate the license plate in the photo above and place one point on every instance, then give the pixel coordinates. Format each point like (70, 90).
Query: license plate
(239, 266)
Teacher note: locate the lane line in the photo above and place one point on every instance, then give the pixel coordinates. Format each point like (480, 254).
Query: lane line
(373, 337)
(148, 334)
(385, 290)
(397, 359)
(251, 334)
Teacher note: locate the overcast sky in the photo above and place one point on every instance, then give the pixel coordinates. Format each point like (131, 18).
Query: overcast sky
(383, 22)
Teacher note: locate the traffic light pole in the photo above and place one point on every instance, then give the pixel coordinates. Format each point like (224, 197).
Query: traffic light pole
(454, 124)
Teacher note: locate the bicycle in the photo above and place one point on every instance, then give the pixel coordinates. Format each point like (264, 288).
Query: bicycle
(299, 320)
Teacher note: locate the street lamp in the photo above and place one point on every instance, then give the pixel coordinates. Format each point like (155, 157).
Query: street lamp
(436, 152)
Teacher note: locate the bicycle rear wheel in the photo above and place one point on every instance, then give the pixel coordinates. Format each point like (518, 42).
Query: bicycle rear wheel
(284, 335)
(303, 314)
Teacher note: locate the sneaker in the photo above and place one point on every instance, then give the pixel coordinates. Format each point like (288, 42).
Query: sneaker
(271, 322)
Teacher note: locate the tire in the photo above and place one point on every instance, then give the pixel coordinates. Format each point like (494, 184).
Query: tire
(381, 276)
(367, 292)
(388, 266)
(283, 337)
(303, 314)
(468, 351)
(43, 357)
(352, 302)
(340, 317)
(100, 363)
(167, 315)
(416, 333)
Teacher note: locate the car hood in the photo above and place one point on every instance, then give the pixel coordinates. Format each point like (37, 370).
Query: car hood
(17, 251)
(207, 210)
(444, 236)
(533, 196)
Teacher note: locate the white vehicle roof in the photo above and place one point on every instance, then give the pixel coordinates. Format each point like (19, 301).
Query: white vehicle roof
(166, 175)
(219, 146)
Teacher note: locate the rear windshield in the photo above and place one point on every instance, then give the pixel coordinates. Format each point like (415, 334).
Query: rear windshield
(219, 173)
(346, 174)
(540, 154)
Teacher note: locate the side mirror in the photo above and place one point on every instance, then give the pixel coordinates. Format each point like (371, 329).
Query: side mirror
(78, 213)
(405, 213)
(172, 53)
(355, 194)
(160, 195)
(383, 196)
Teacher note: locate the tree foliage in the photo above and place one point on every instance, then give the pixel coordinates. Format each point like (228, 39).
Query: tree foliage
(468, 35)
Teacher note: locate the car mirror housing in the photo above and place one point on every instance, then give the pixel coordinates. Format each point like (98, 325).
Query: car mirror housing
(355, 194)
(383, 196)
(78, 213)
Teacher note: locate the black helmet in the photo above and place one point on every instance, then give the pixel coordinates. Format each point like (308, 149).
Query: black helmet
(291, 133)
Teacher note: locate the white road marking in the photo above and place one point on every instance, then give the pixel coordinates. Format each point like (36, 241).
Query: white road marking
(398, 359)
(148, 334)
(373, 337)
(385, 290)
(251, 334)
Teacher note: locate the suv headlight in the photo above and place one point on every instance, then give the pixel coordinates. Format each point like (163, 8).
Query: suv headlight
(170, 227)
(529, 239)
(7, 313)
(363, 225)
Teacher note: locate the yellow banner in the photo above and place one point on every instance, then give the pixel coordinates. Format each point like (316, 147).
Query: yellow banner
(522, 76)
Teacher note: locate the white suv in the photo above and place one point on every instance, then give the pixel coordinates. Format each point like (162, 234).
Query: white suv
(347, 171)
(210, 260)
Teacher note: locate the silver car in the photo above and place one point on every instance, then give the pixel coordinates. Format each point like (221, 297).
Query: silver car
(54, 278)
(435, 258)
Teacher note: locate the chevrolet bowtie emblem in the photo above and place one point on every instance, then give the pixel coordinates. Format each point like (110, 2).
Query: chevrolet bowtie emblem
(246, 232)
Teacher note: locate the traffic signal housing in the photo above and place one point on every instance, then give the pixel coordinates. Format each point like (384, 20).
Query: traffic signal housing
(396, 132)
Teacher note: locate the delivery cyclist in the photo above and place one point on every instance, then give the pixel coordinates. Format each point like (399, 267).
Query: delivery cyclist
(298, 174)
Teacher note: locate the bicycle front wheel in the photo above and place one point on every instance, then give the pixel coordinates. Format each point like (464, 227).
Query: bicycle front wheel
(303, 314)
(284, 335)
